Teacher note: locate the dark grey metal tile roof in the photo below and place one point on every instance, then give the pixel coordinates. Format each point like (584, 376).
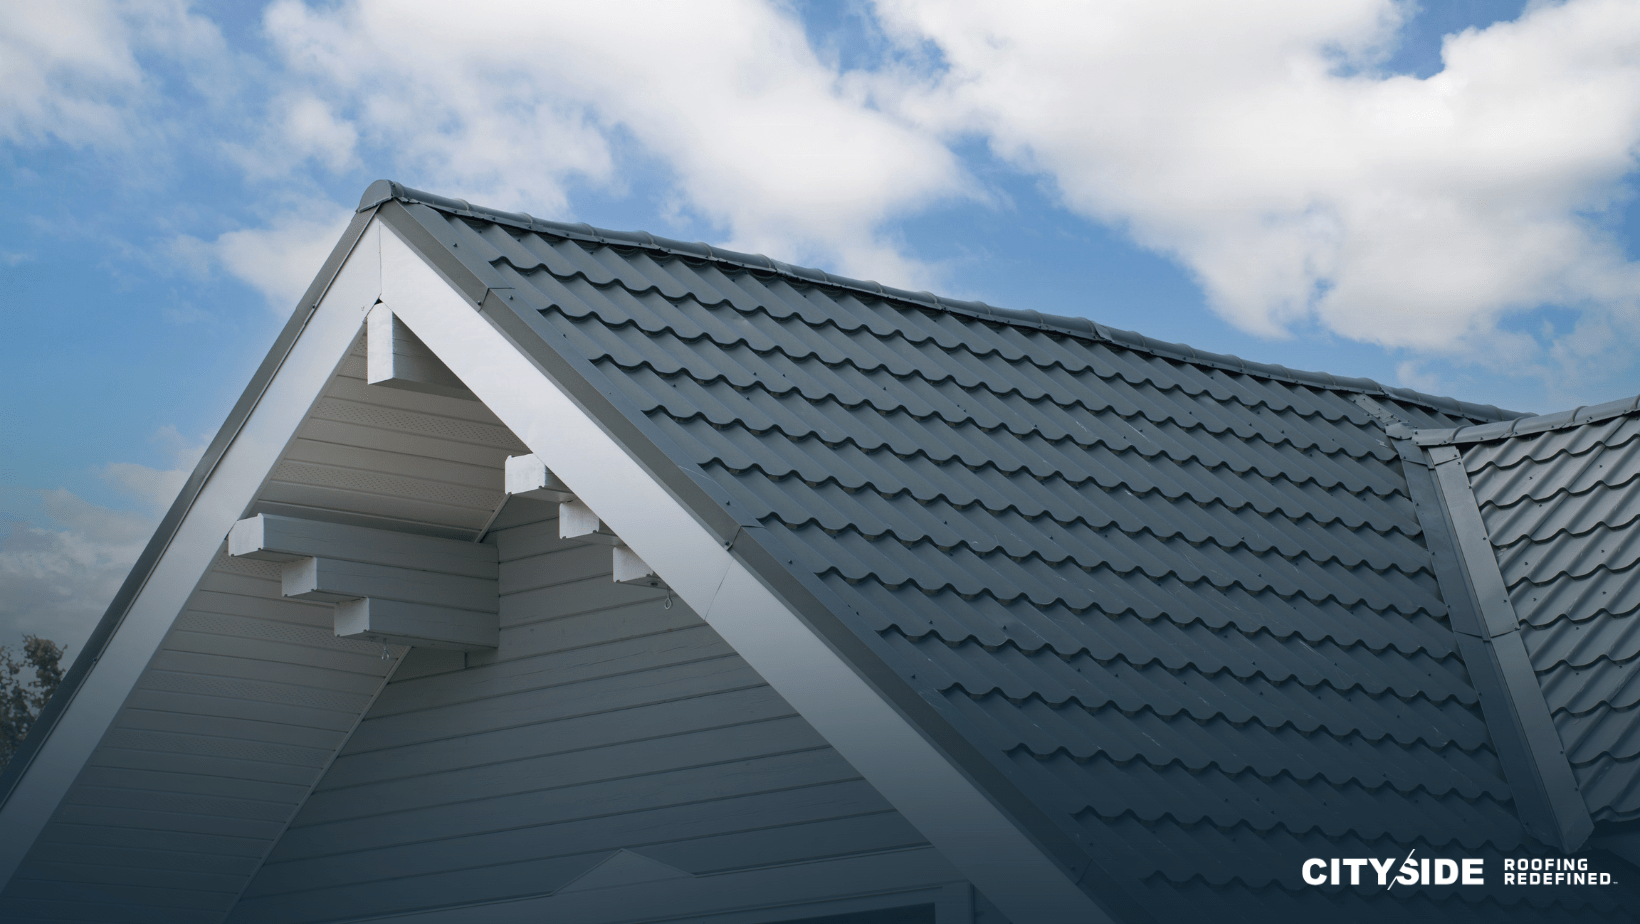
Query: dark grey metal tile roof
(1562, 509)
(1181, 600)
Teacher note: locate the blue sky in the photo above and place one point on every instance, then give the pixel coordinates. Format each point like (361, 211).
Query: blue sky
(1441, 198)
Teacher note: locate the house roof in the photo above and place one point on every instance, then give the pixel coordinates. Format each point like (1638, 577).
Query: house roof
(1181, 602)
(1180, 615)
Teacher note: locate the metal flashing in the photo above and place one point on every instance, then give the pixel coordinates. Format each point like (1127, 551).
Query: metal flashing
(1517, 716)
(1529, 424)
(1536, 810)
(1483, 579)
(1463, 613)
(1571, 814)
(1385, 417)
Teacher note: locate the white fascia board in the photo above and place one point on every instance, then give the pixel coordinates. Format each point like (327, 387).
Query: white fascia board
(224, 498)
(936, 797)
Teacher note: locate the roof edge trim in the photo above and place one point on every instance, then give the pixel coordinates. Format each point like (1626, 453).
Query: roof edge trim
(1527, 426)
(1081, 328)
(103, 633)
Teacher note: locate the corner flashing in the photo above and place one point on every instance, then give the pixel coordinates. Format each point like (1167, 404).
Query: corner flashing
(377, 193)
(1480, 567)
(1487, 631)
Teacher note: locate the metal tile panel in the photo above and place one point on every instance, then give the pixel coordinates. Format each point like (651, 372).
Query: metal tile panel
(1185, 604)
(1562, 510)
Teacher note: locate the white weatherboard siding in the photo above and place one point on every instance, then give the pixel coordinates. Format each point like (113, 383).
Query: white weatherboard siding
(237, 716)
(138, 649)
(392, 459)
(604, 721)
(944, 805)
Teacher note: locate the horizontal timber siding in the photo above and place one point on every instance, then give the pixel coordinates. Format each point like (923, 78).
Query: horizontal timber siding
(233, 722)
(392, 459)
(251, 695)
(607, 720)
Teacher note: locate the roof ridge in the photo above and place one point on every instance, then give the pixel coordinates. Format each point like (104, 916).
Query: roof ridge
(1528, 425)
(1082, 328)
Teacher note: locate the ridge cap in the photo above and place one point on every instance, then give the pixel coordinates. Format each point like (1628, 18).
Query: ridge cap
(1528, 424)
(1081, 328)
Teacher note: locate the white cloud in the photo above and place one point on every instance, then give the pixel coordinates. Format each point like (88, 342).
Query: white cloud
(55, 582)
(69, 69)
(157, 488)
(304, 128)
(65, 69)
(510, 103)
(279, 260)
(56, 579)
(1256, 143)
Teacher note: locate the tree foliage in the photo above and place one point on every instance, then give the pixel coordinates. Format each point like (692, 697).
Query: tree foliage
(22, 698)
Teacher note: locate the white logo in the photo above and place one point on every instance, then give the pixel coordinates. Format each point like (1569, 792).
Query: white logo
(1443, 871)
(1426, 871)
(1553, 871)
